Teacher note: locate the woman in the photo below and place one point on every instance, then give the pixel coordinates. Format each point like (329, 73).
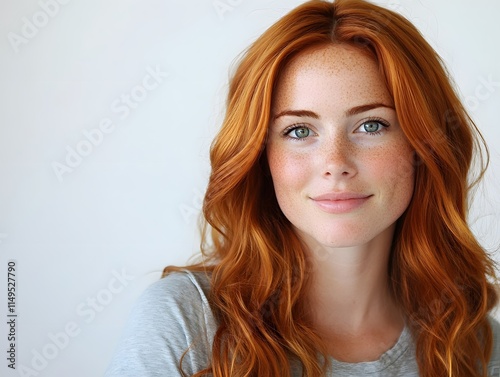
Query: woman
(336, 239)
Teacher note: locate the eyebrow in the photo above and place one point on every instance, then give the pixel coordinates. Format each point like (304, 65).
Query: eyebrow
(363, 108)
(353, 111)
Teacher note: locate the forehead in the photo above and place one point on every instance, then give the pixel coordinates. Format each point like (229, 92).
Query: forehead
(337, 74)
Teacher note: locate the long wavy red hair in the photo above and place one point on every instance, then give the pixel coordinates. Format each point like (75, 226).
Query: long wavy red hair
(439, 273)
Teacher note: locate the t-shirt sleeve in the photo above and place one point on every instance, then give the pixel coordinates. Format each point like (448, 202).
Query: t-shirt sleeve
(172, 315)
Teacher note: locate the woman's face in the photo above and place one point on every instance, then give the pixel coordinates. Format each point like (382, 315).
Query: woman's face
(340, 163)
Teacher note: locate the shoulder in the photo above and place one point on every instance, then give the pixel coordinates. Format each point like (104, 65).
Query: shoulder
(494, 364)
(179, 296)
(495, 328)
(172, 315)
(182, 288)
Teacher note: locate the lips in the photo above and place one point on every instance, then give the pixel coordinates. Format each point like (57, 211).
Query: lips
(340, 202)
(334, 196)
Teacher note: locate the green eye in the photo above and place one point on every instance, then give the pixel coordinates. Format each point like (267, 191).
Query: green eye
(300, 132)
(372, 126)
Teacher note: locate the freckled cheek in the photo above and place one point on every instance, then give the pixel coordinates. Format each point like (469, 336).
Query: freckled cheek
(405, 163)
(288, 170)
(397, 169)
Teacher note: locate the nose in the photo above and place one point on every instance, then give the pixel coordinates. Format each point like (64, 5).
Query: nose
(338, 157)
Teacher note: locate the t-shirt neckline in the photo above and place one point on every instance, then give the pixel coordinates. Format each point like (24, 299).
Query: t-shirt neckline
(387, 359)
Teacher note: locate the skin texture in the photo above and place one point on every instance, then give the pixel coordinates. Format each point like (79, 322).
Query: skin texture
(319, 149)
(339, 155)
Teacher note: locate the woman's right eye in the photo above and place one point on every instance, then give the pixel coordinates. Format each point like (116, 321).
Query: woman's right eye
(298, 132)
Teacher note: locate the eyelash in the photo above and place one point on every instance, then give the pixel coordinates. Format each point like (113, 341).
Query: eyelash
(382, 122)
(289, 129)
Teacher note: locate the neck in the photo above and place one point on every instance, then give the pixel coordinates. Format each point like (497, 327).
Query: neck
(349, 290)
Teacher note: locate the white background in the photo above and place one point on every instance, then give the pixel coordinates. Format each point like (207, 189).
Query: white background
(130, 206)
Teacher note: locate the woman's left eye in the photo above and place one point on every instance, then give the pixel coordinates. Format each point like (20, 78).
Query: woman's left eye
(372, 127)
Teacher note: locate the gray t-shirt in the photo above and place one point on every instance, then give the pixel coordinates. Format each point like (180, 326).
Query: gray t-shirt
(173, 314)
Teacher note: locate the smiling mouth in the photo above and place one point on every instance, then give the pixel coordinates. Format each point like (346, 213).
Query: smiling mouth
(340, 203)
